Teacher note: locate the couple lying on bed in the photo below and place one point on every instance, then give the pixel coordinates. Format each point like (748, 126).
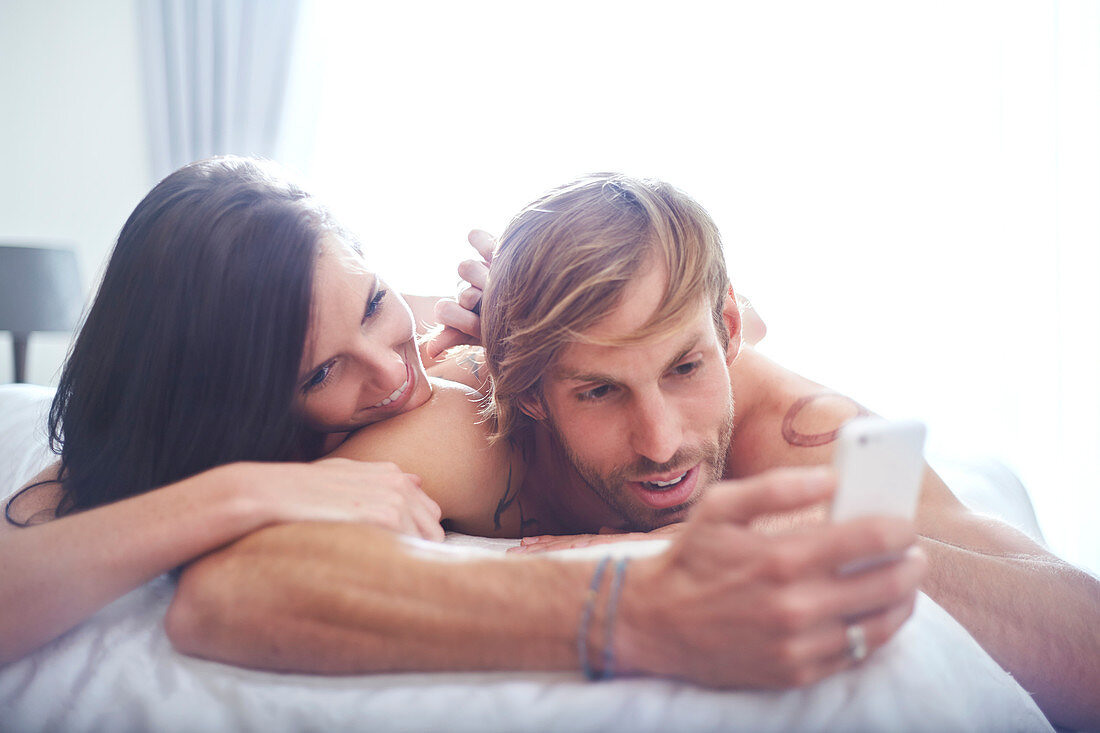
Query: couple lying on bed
(238, 333)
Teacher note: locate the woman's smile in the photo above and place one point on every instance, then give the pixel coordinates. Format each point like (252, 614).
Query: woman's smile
(393, 395)
(361, 350)
(398, 400)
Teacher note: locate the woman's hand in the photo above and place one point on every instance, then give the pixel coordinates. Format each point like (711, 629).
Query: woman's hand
(461, 317)
(343, 490)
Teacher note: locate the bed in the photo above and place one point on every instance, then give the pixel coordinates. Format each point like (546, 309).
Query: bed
(118, 672)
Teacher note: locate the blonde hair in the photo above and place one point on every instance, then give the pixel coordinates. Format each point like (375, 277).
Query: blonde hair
(563, 264)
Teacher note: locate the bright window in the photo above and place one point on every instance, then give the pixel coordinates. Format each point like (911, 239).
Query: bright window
(908, 191)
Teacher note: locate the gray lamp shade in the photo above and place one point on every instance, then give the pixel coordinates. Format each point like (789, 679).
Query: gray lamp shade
(40, 290)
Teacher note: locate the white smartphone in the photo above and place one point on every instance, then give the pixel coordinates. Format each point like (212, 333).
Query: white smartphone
(879, 465)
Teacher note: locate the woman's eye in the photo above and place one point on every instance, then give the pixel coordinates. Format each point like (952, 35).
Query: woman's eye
(374, 303)
(319, 378)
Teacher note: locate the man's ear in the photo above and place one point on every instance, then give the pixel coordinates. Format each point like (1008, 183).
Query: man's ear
(731, 319)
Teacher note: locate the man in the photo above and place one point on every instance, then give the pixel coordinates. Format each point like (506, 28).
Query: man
(614, 344)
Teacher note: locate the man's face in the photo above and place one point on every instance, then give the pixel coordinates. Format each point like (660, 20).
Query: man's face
(647, 426)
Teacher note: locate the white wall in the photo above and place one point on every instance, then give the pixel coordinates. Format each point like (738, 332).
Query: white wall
(73, 146)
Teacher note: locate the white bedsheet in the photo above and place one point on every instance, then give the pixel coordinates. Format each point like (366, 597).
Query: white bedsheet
(117, 672)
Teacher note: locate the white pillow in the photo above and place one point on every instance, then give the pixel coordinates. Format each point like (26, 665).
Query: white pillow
(23, 439)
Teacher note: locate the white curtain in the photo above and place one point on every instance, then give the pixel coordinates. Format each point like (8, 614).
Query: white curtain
(215, 76)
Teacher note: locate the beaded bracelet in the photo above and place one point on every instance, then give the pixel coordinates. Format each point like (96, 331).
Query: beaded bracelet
(586, 617)
(593, 595)
(609, 624)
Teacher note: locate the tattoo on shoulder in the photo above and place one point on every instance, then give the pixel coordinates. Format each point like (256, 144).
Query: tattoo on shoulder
(505, 501)
(793, 432)
(511, 496)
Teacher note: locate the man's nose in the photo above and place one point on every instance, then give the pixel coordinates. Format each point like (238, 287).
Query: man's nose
(655, 430)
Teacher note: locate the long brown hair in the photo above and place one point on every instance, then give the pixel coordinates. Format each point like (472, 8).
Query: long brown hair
(188, 358)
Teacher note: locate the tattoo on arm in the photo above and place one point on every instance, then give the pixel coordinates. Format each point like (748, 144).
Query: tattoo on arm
(794, 437)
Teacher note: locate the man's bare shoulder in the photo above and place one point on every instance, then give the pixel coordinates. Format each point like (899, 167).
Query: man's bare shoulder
(782, 418)
(447, 443)
(450, 404)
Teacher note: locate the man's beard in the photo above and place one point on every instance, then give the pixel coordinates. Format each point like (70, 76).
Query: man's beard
(709, 456)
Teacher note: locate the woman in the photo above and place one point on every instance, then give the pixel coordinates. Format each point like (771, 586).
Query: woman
(235, 326)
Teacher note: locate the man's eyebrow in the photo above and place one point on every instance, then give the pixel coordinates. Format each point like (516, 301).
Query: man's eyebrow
(572, 375)
(366, 308)
(569, 375)
(690, 344)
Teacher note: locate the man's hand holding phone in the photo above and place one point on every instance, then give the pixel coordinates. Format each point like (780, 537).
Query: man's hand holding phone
(788, 617)
(879, 465)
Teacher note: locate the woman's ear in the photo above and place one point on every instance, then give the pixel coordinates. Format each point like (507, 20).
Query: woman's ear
(731, 319)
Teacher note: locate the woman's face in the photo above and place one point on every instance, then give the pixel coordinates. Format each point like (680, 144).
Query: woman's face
(360, 363)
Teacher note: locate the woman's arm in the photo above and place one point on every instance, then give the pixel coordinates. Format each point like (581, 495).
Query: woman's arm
(464, 364)
(423, 310)
(58, 573)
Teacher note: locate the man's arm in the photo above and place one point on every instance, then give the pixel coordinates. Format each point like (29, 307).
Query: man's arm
(723, 606)
(65, 569)
(342, 598)
(1035, 614)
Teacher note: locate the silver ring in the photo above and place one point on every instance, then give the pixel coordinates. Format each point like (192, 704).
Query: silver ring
(857, 642)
